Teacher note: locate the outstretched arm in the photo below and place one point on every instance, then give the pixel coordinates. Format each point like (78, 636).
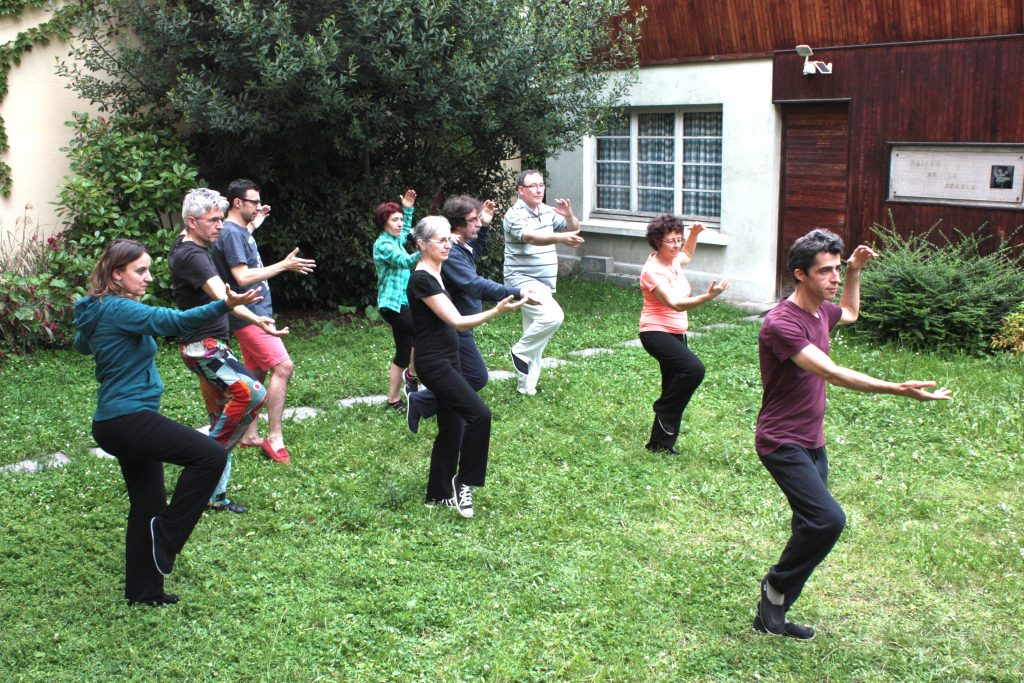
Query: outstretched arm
(216, 289)
(245, 276)
(813, 359)
(684, 303)
(444, 309)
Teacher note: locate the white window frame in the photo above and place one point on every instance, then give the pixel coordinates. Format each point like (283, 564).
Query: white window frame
(603, 215)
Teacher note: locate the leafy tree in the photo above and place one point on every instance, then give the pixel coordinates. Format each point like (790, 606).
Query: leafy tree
(334, 107)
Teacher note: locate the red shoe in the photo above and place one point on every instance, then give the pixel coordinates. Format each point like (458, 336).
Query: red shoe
(280, 455)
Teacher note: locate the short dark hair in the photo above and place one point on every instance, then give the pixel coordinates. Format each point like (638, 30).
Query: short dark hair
(383, 212)
(806, 249)
(455, 209)
(530, 171)
(662, 225)
(238, 189)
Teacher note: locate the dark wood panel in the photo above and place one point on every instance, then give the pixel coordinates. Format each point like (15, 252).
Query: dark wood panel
(686, 30)
(815, 169)
(961, 91)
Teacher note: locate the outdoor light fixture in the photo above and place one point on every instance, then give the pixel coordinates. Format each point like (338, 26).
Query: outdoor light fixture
(811, 68)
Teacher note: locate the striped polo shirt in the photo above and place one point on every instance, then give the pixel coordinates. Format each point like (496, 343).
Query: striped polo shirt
(525, 262)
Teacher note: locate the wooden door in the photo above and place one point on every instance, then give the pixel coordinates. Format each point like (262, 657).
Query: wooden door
(815, 164)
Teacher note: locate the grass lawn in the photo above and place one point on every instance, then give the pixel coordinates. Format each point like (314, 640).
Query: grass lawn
(589, 559)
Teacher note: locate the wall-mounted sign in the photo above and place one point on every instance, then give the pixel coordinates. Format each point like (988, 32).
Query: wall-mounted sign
(959, 174)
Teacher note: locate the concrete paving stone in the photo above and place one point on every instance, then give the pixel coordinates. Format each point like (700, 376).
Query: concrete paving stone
(583, 353)
(363, 400)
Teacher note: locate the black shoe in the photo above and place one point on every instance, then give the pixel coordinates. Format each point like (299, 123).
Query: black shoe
(412, 416)
(440, 502)
(789, 629)
(225, 505)
(463, 497)
(165, 599)
(398, 406)
(412, 383)
(521, 366)
(772, 616)
(162, 559)
(658, 448)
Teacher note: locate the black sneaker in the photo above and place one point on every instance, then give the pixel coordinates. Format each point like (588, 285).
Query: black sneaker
(521, 366)
(659, 448)
(772, 616)
(397, 406)
(222, 504)
(463, 497)
(412, 415)
(440, 502)
(162, 560)
(789, 629)
(164, 599)
(412, 383)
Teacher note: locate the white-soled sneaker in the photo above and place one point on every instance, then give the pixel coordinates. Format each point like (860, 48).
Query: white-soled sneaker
(463, 497)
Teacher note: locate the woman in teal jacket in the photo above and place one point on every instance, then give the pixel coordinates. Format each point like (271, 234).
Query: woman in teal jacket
(118, 330)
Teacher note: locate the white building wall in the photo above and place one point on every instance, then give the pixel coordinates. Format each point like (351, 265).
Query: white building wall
(34, 111)
(743, 247)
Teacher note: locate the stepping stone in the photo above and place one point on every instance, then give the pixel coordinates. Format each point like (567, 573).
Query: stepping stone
(753, 319)
(552, 362)
(100, 453)
(719, 326)
(499, 375)
(583, 353)
(33, 466)
(363, 400)
(631, 342)
(295, 414)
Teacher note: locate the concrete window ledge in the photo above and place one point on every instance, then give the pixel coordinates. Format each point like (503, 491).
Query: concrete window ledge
(635, 228)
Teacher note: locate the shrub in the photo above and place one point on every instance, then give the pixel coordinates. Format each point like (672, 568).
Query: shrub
(1011, 336)
(126, 181)
(35, 304)
(939, 293)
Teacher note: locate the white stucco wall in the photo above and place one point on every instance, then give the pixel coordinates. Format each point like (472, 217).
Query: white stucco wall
(34, 111)
(744, 248)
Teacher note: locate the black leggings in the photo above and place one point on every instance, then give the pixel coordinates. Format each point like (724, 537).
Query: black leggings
(401, 330)
(681, 374)
(142, 442)
(463, 430)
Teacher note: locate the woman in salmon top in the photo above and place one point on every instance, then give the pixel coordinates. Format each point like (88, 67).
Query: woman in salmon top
(663, 324)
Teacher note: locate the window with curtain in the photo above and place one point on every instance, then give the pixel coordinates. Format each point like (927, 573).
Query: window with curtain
(658, 162)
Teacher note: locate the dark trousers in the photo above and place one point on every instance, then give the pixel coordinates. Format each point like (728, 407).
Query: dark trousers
(463, 429)
(474, 371)
(802, 474)
(401, 332)
(681, 374)
(142, 442)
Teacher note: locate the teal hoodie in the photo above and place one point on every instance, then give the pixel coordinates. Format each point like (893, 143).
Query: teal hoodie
(119, 332)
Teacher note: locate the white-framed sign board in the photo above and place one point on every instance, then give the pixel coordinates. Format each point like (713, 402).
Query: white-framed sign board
(959, 174)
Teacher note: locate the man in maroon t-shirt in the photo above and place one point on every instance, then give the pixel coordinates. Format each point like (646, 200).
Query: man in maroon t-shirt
(793, 345)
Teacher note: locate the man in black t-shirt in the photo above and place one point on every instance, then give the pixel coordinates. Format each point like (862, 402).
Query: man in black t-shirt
(232, 395)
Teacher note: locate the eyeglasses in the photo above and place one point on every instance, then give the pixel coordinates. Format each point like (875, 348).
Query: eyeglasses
(441, 241)
(257, 202)
(674, 240)
(534, 186)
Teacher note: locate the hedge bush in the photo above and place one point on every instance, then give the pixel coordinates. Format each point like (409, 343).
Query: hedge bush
(928, 291)
(1011, 336)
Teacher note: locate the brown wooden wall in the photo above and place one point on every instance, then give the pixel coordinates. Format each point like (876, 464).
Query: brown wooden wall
(959, 91)
(697, 30)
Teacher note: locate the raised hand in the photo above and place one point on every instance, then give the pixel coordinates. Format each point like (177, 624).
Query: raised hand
(509, 304)
(860, 257)
(408, 199)
(487, 210)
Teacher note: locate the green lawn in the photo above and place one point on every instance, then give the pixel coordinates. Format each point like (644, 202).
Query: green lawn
(589, 559)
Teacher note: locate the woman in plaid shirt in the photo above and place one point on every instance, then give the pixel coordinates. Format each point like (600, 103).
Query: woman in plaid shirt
(393, 264)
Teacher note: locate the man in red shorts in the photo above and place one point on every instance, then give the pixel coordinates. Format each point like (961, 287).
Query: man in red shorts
(238, 261)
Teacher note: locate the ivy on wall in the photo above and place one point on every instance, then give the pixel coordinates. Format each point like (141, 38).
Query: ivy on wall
(11, 52)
